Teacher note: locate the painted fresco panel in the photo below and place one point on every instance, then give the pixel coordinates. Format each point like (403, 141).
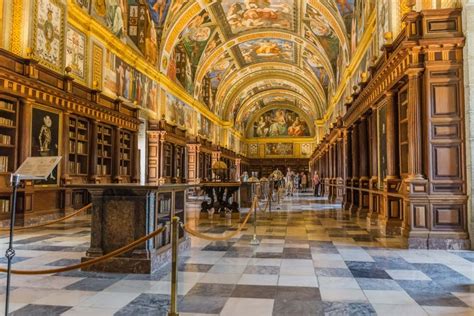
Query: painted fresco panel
(267, 50)
(279, 149)
(76, 53)
(179, 113)
(252, 14)
(48, 34)
(279, 123)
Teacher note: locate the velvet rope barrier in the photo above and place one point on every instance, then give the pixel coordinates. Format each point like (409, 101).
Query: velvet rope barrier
(223, 238)
(88, 263)
(85, 208)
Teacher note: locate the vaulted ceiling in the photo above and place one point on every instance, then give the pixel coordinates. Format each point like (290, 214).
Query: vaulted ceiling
(240, 56)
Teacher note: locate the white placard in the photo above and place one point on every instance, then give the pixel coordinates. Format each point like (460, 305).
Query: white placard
(37, 168)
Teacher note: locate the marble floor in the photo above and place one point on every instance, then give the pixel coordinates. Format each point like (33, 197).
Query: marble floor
(313, 259)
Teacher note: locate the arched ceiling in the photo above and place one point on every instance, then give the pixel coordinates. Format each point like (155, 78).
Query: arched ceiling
(240, 56)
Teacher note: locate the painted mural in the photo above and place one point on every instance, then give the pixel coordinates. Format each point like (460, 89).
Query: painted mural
(279, 149)
(267, 50)
(323, 35)
(189, 50)
(279, 123)
(250, 14)
(213, 78)
(76, 53)
(179, 113)
(135, 22)
(49, 33)
(205, 126)
(123, 80)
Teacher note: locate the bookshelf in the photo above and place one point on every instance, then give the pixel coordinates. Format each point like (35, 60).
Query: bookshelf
(8, 134)
(125, 153)
(104, 150)
(403, 130)
(79, 132)
(168, 159)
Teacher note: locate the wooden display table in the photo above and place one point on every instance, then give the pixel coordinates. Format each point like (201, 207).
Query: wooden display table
(123, 213)
(220, 194)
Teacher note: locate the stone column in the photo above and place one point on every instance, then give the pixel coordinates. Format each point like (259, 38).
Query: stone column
(468, 28)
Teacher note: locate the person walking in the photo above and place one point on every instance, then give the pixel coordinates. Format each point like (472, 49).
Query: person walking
(316, 183)
(304, 182)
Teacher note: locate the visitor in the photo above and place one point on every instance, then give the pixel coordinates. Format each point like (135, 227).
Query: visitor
(290, 182)
(304, 182)
(316, 183)
(297, 182)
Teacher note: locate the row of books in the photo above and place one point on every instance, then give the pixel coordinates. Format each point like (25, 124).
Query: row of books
(124, 156)
(75, 167)
(4, 206)
(6, 122)
(5, 139)
(163, 238)
(72, 123)
(102, 170)
(104, 131)
(103, 154)
(104, 142)
(81, 148)
(6, 105)
(164, 206)
(124, 170)
(3, 163)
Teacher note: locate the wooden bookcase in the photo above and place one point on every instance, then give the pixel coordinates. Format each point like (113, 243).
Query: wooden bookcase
(403, 130)
(9, 109)
(104, 150)
(125, 153)
(168, 160)
(79, 131)
(8, 134)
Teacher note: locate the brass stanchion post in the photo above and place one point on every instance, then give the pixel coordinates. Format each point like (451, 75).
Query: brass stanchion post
(174, 267)
(254, 240)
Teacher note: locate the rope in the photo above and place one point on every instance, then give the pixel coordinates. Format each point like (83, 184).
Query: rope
(88, 263)
(231, 235)
(88, 206)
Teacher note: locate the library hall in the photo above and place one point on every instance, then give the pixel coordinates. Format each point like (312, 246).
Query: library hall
(236, 157)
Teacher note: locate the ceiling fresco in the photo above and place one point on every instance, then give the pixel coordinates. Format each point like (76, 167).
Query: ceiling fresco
(247, 15)
(232, 55)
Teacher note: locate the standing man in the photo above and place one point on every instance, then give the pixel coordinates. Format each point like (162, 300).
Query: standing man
(290, 182)
(316, 183)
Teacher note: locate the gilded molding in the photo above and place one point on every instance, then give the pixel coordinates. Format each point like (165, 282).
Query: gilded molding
(17, 27)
